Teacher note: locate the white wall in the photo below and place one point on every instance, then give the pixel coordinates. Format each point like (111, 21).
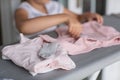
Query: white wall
(112, 6)
(72, 5)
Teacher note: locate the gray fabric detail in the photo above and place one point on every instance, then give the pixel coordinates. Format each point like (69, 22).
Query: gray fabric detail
(48, 49)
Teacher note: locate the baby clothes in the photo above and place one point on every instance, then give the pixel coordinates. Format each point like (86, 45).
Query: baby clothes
(94, 35)
(44, 53)
(26, 55)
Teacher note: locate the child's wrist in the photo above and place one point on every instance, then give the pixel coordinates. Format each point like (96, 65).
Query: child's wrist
(67, 18)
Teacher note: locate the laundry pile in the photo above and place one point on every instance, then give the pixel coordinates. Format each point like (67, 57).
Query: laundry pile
(44, 53)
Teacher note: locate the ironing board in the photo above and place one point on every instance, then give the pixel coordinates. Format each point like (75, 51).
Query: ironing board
(86, 64)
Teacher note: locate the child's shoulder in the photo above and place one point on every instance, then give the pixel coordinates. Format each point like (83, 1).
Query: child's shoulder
(23, 4)
(22, 8)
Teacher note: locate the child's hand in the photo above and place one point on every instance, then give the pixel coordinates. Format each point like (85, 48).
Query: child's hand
(75, 27)
(91, 17)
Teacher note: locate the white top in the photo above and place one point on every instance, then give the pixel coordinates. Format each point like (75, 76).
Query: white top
(52, 7)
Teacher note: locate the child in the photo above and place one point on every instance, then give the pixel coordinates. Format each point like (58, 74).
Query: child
(42, 16)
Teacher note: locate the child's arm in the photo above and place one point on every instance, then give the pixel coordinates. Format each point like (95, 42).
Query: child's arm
(30, 26)
(85, 16)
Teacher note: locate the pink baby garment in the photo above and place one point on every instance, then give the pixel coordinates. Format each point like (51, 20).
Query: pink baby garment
(25, 54)
(93, 36)
(29, 53)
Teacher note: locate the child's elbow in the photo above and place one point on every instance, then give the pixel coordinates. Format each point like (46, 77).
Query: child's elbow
(24, 29)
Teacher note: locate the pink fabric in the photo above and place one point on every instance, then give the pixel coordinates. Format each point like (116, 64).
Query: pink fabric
(93, 36)
(25, 53)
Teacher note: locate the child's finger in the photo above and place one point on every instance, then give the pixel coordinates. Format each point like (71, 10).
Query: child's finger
(78, 31)
(101, 20)
(70, 29)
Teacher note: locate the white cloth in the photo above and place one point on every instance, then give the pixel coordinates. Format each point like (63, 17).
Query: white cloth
(52, 7)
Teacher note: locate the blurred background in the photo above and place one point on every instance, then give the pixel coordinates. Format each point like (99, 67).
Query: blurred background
(9, 34)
